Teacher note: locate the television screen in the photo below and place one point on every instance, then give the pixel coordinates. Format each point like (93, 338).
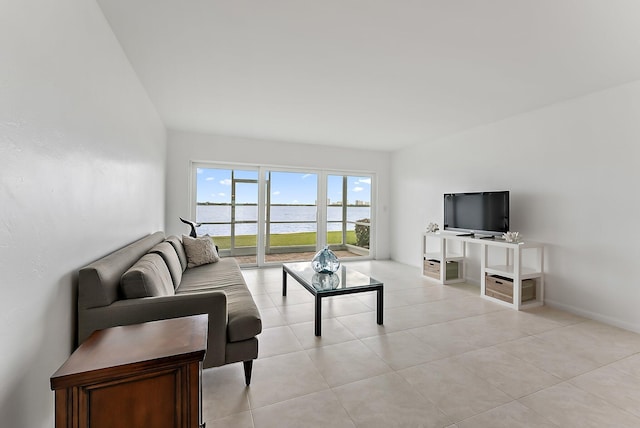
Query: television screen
(477, 212)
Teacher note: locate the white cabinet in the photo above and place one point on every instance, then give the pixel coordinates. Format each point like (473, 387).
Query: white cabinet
(508, 264)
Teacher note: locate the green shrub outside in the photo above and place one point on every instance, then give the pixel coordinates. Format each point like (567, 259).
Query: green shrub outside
(362, 233)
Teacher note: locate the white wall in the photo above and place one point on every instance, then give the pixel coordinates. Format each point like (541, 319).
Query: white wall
(82, 164)
(184, 147)
(573, 171)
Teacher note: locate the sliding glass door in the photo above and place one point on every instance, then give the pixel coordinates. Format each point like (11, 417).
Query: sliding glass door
(291, 223)
(266, 215)
(348, 218)
(227, 208)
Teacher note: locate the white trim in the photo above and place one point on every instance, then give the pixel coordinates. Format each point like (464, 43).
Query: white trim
(593, 316)
(321, 211)
(262, 200)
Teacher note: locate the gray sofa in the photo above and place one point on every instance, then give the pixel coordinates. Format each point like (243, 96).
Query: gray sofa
(158, 285)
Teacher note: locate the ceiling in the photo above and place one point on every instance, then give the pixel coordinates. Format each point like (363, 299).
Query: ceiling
(374, 74)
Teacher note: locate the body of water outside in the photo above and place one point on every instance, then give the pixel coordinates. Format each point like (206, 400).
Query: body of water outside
(288, 213)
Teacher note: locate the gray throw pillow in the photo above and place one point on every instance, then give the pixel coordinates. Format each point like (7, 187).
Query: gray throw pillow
(200, 251)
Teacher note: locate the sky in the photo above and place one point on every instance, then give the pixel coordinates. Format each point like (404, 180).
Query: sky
(214, 185)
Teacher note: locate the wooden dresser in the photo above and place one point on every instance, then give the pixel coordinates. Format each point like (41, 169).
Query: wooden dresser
(143, 375)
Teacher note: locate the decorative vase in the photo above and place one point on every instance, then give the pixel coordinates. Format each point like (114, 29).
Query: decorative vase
(432, 228)
(325, 261)
(512, 236)
(325, 281)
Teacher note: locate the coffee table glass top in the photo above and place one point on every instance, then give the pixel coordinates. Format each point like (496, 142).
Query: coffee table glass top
(344, 278)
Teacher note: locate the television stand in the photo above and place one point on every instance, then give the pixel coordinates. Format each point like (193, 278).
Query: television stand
(520, 262)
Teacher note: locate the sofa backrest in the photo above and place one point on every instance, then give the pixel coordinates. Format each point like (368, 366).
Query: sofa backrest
(171, 259)
(148, 277)
(99, 282)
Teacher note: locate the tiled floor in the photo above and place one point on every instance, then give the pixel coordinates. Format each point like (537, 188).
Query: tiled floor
(444, 358)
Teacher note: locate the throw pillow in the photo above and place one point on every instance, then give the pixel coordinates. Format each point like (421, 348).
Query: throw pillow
(200, 251)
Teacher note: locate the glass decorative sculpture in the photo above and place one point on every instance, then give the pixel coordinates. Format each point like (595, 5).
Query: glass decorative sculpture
(325, 261)
(325, 281)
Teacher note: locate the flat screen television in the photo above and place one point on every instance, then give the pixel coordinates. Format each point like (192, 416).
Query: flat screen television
(485, 213)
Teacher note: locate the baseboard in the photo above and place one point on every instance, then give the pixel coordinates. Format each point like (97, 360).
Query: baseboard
(474, 281)
(593, 316)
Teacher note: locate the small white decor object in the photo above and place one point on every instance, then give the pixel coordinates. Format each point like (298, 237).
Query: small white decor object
(512, 236)
(432, 227)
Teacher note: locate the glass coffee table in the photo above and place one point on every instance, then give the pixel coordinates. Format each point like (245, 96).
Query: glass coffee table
(321, 285)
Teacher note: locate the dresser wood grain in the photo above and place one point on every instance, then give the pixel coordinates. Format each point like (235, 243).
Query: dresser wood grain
(143, 375)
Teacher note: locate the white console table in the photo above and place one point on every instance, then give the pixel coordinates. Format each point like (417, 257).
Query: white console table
(518, 262)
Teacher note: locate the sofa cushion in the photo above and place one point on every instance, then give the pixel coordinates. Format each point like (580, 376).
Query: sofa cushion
(224, 273)
(177, 245)
(148, 277)
(243, 316)
(170, 257)
(200, 251)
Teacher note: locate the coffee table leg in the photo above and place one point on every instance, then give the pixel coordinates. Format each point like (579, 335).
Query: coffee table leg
(284, 282)
(380, 306)
(318, 316)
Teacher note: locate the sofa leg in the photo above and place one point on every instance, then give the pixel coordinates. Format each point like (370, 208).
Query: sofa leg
(248, 365)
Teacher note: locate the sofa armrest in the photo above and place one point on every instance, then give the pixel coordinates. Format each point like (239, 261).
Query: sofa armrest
(134, 311)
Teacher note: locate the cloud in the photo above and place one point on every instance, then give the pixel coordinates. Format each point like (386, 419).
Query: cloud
(210, 178)
(226, 182)
(306, 175)
(277, 192)
(222, 194)
(358, 189)
(295, 201)
(199, 170)
(365, 180)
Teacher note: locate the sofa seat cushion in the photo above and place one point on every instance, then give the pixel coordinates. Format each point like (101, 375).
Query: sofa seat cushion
(148, 277)
(222, 274)
(243, 316)
(170, 257)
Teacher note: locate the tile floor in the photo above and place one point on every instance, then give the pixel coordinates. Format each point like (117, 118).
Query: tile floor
(444, 358)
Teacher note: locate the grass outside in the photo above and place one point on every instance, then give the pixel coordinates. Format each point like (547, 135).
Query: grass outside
(285, 239)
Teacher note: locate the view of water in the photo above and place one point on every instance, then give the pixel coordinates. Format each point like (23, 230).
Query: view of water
(222, 213)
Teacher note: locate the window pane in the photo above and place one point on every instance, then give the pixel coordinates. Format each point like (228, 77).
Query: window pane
(227, 208)
(291, 213)
(359, 191)
(350, 195)
(213, 214)
(213, 185)
(245, 175)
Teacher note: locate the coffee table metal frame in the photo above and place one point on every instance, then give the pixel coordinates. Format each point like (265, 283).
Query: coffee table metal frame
(373, 285)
